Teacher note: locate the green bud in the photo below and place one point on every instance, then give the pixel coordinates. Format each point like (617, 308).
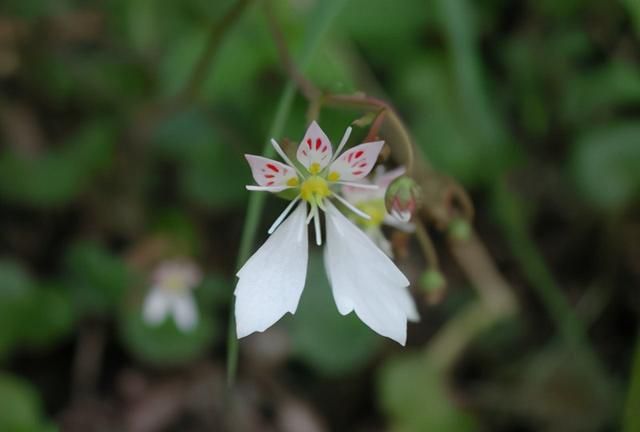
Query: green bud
(432, 281)
(459, 229)
(402, 198)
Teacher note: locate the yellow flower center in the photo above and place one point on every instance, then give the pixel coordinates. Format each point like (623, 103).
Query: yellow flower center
(313, 188)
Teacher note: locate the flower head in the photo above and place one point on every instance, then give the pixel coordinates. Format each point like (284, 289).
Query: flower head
(363, 279)
(372, 202)
(171, 294)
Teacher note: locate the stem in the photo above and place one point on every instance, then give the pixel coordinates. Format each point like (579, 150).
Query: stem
(428, 249)
(216, 36)
(320, 21)
(631, 421)
(373, 104)
(509, 214)
(306, 87)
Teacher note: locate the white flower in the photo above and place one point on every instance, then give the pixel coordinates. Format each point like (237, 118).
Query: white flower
(363, 279)
(371, 202)
(171, 294)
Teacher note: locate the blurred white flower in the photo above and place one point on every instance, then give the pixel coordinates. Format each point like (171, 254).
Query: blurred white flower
(372, 202)
(171, 294)
(363, 279)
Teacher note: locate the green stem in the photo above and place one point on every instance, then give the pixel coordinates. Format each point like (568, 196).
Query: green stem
(216, 36)
(509, 213)
(320, 21)
(631, 421)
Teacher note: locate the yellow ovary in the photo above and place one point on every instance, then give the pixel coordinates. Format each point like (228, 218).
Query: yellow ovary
(375, 209)
(313, 188)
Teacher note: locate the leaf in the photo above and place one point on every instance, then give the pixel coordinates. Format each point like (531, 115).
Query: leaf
(211, 172)
(165, 345)
(604, 164)
(329, 342)
(31, 314)
(20, 407)
(413, 393)
(58, 176)
(96, 278)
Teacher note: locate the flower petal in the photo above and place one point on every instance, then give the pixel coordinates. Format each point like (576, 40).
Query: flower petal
(272, 174)
(271, 281)
(363, 279)
(356, 162)
(156, 306)
(315, 151)
(185, 312)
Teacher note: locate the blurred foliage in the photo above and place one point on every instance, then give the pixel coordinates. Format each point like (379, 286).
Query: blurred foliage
(414, 394)
(531, 105)
(329, 342)
(20, 407)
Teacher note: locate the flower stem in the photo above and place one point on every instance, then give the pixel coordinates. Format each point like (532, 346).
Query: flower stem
(216, 36)
(428, 249)
(319, 24)
(631, 421)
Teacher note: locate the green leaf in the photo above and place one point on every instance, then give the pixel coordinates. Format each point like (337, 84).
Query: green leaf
(58, 176)
(96, 278)
(604, 165)
(165, 345)
(211, 172)
(414, 394)
(331, 343)
(31, 314)
(20, 407)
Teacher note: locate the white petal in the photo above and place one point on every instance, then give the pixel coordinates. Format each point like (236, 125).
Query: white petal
(315, 148)
(185, 312)
(408, 305)
(384, 178)
(377, 236)
(271, 281)
(269, 173)
(363, 279)
(356, 163)
(156, 306)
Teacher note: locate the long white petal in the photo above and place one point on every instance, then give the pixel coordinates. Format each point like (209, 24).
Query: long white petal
(271, 281)
(156, 306)
(185, 312)
(363, 279)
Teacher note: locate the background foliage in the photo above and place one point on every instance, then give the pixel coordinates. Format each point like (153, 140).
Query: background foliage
(106, 169)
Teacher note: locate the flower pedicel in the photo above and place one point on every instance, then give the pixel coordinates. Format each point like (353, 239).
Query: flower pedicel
(363, 279)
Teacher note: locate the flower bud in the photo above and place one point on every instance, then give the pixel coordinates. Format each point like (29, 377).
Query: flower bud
(433, 284)
(402, 198)
(459, 229)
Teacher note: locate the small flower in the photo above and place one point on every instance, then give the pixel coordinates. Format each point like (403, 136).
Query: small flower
(363, 279)
(402, 198)
(171, 294)
(372, 203)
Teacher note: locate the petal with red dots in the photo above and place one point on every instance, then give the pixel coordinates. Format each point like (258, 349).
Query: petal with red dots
(271, 174)
(355, 163)
(315, 151)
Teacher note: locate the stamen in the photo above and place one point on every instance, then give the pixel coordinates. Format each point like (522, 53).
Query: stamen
(310, 215)
(344, 140)
(350, 206)
(316, 223)
(320, 202)
(359, 185)
(284, 156)
(283, 215)
(267, 188)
